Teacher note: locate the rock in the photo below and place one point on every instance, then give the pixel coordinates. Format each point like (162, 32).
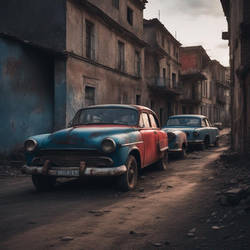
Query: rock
(223, 201)
(191, 235)
(216, 227)
(213, 214)
(67, 238)
(234, 181)
(193, 230)
(157, 244)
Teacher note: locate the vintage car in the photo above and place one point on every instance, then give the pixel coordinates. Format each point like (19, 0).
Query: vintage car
(102, 140)
(198, 129)
(177, 142)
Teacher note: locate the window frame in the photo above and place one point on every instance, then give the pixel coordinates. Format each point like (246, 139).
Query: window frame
(130, 14)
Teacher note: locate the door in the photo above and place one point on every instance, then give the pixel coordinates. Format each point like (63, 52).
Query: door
(149, 136)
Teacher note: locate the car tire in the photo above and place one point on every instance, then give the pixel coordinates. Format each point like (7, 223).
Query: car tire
(128, 180)
(43, 183)
(206, 142)
(217, 142)
(183, 153)
(163, 164)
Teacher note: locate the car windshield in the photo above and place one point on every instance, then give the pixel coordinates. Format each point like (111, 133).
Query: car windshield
(184, 122)
(122, 116)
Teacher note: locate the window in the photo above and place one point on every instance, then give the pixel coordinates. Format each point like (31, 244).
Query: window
(116, 4)
(130, 16)
(90, 39)
(174, 79)
(137, 63)
(121, 56)
(138, 100)
(203, 123)
(89, 96)
(153, 121)
(145, 120)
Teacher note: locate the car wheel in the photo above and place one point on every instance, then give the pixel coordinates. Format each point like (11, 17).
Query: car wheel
(183, 153)
(128, 180)
(43, 183)
(163, 164)
(206, 142)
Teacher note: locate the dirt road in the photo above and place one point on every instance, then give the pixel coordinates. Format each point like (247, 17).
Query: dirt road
(168, 210)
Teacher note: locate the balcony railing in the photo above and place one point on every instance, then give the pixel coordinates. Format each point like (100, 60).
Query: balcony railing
(165, 84)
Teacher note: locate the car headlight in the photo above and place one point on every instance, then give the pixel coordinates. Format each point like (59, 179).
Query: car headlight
(108, 145)
(195, 133)
(30, 145)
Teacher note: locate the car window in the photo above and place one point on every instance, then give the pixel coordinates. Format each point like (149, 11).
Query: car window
(122, 116)
(146, 120)
(141, 122)
(153, 121)
(184, 122)
(208, 123)
(203, 123)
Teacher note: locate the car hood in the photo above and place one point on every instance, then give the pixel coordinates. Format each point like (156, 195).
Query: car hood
(81, 137)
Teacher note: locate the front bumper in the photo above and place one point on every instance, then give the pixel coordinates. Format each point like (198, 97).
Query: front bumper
(174, 150)
(74, 171)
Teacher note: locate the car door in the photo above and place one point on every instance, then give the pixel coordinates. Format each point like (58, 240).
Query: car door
(149, 136)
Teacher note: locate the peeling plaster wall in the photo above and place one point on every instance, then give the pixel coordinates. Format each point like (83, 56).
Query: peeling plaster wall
(42, 22)
(110, 87)
(26, 94)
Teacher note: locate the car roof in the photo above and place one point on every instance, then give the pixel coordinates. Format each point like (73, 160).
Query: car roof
(194, 116)
(132, 106)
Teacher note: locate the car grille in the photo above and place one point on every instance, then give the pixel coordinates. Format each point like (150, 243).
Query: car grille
(67, 158)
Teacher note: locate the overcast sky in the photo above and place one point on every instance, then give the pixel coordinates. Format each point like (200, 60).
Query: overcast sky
(196, 22)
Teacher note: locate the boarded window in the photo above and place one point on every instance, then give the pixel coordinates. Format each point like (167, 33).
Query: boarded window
(116, 3)
(130, 16)
(137, 64)
(90, 40)
(121, 56)
(89, 96)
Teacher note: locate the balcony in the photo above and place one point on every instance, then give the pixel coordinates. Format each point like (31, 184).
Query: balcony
(164, 86)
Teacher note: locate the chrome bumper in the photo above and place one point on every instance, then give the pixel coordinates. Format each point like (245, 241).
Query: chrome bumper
(174, 150)
(74, 172)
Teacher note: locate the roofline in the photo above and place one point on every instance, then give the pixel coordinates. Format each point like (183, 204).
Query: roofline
(197, 47)
(157, 22)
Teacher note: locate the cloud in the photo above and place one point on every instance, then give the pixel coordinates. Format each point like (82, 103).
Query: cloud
(222, 46)
(194, 8)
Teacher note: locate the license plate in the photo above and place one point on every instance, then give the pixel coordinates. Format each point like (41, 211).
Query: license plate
(67, 172)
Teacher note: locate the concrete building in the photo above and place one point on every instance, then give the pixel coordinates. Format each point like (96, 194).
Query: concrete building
(94, 55)
(162, 69)
(197, 81)
(238, 17)
(222, 93)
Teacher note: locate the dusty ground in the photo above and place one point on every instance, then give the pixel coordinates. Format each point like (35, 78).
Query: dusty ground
(176, 209)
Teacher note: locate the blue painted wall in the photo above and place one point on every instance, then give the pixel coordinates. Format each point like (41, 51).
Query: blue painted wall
(26, 94)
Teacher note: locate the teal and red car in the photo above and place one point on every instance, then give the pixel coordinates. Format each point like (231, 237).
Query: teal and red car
(199, 131)
(101, 140)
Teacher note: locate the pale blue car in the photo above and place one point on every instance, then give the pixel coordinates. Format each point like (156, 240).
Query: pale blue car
(199, 131)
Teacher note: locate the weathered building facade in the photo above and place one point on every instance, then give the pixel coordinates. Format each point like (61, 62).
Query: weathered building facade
(94, 55)
(162, 69)
(221, 89)
(238, 17)
(197, 81)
